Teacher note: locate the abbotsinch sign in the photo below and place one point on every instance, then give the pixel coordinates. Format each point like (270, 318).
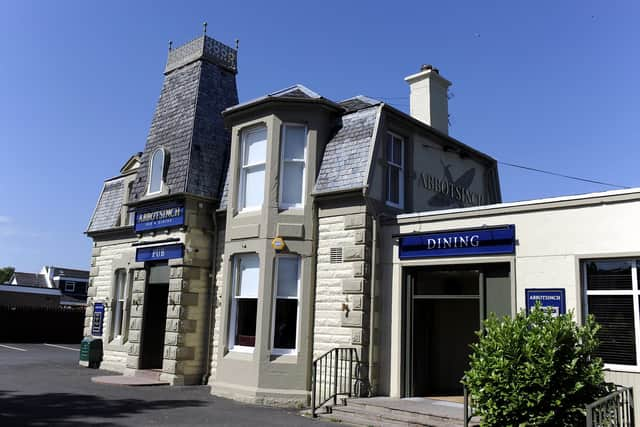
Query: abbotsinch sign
(484, 241)
(161, 216)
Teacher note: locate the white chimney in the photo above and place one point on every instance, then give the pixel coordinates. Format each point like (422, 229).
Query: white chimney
(429, 102)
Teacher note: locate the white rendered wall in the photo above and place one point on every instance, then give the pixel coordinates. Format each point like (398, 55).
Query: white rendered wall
(551, 239)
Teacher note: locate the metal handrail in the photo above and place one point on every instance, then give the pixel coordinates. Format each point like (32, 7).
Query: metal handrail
(468, 405)
(612, 410)
(337, 372)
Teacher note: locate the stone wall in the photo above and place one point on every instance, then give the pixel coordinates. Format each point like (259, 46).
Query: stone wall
(105, 260)
(342, 285)
(216, 336)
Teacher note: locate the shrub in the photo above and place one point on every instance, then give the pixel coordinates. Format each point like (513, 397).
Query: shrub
(535, 369)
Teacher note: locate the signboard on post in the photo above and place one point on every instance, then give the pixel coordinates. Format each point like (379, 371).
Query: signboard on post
(554, 298)
(151, 218)
(159, 253)
(98, 318)
(484, 241)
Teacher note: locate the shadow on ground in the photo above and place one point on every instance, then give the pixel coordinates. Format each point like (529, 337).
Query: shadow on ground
(65, 408)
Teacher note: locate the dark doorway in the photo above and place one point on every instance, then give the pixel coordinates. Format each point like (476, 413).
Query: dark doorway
(155, 317)
(443, 307)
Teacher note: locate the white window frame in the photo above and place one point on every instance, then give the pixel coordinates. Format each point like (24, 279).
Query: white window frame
(283, 140)
(390, 164)
(253, 166)
(285, 351)
(634, 292)
(153, 164)
(233, 318)
(125, 300)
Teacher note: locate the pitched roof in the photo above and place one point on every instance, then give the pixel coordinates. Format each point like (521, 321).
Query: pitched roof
(107, 212)
(295, 92)
(69, 272)
(30, 279)
(346, 157)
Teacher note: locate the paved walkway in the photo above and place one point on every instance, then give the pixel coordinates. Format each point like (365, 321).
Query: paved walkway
(43, 385)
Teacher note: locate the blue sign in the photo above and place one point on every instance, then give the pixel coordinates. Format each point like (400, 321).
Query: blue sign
(98, 317)
(485, 241)
(151, 218)
(554, 298)
(158, 253)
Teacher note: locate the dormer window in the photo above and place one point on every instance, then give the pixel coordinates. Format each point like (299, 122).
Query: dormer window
(292, 167)
(156, 171)
(253, 157)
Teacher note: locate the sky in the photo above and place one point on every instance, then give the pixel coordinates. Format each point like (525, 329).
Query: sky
(547, 84)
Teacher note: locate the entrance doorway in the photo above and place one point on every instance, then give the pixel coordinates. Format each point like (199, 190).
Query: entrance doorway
(443, 308)
(155, 317)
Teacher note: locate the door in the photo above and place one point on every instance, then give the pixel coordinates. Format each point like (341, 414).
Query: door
(443, 310)
(446, 314)
(155, 317)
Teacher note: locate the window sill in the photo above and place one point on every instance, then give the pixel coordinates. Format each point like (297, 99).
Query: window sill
(284, 358)
(621, 368)
(240, 353)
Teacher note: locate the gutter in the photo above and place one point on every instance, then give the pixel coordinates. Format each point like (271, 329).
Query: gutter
(372, 291)
(212, 301)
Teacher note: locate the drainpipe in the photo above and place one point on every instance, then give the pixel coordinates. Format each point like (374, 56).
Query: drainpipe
(212, 302)
(373, 288)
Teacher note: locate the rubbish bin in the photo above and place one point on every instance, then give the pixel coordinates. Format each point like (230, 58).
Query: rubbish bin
(91, 352)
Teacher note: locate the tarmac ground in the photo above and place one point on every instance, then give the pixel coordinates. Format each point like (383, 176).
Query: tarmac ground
(43, 385)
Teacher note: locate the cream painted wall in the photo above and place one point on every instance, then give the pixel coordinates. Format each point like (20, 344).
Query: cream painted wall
(552, 237)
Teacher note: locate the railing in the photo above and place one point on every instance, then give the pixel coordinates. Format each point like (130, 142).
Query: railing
(468, 406)
(613, 410)
(335, 373)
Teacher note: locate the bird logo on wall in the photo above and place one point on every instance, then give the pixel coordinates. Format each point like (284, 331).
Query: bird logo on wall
(445, 198)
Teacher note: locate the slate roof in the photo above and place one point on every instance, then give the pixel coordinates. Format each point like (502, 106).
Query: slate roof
(107, 212)
(188, 124)
(358, 102)
(30, 279)
(346, 157)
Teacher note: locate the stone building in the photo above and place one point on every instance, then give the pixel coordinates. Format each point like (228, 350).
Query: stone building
(244, 241)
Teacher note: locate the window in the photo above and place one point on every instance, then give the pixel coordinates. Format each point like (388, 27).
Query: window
(613, 297)
(119, 308)
(292, 178)
(253, 155)
(156, 172)
(285, 325)
(244, 305)
(395, 170)
(69, 286)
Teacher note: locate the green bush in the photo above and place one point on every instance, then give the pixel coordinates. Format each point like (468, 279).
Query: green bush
(535, 369)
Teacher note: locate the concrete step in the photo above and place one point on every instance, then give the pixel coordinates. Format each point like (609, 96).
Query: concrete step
(152, 374)
(374, 416)
(398, 412)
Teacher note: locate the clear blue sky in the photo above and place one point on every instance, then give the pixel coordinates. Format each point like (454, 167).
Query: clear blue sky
(548, 84)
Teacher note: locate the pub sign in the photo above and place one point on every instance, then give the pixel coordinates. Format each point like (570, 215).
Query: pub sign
(160, 216)
(159, 253)
(98, 319)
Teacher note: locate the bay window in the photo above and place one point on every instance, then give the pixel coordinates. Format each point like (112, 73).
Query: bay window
(244, 304)
(253, 156)
(395, 170)
(285, 324)
(612, 296)
(292, 165)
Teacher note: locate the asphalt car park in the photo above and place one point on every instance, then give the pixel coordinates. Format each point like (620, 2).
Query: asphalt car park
(43, 384)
